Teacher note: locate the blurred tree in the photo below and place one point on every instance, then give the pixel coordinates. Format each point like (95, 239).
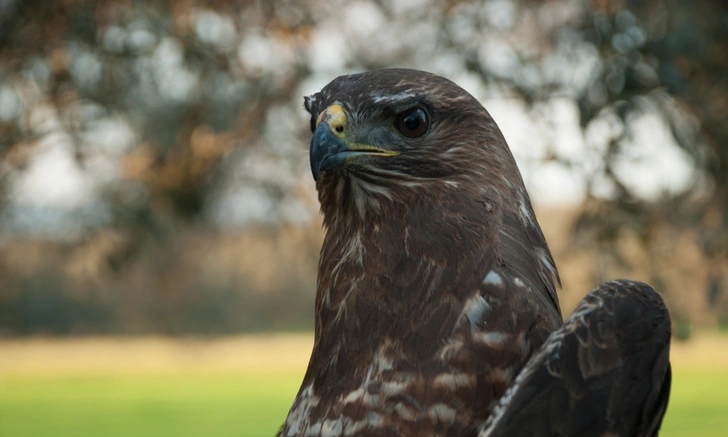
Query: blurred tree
(124, 123)
(667, 58)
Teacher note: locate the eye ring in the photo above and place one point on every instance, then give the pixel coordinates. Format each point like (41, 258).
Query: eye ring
(412, 123)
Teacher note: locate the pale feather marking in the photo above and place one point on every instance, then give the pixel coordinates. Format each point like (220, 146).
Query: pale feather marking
(454, 380)
(493, 278)
(394, 98)
(475, 309)
(492, 339)
(450, 349)
(526, 214)
(441, 412)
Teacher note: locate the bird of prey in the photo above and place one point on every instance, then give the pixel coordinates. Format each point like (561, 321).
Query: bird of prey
(435, 282)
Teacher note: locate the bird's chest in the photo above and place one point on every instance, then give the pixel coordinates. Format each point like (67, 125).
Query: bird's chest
(395, 394)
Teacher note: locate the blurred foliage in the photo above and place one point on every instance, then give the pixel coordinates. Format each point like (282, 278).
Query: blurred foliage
(138, 137)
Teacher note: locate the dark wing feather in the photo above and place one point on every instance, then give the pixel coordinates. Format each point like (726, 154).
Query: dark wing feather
(606, 372)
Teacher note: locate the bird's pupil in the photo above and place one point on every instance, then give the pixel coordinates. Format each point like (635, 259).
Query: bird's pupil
(412, 121)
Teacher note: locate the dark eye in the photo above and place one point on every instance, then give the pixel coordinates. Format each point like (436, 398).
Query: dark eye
(412, 123)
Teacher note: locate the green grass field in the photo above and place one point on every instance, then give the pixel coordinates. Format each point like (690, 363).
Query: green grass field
(176, 406)
(244, 405)
(250, 403)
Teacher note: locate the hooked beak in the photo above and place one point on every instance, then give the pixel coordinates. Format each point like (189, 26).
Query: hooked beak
(329, 147)
(327, 150)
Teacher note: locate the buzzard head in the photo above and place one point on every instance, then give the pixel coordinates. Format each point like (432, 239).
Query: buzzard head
(392, 135)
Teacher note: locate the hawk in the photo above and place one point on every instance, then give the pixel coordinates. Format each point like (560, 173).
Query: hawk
(435, 283)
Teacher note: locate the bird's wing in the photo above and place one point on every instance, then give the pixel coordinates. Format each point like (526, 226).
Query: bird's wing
(606, 372)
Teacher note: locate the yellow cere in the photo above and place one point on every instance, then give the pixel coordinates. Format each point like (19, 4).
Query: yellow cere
(335, 116)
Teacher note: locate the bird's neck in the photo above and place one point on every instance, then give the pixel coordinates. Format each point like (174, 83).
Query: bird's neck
(381, 277)
(391, 251)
